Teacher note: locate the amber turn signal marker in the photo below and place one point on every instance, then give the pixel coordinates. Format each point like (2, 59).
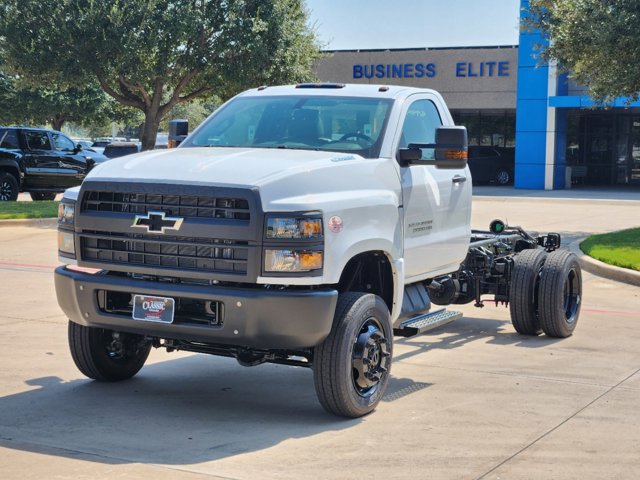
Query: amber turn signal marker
(456, 154)
(311, 260)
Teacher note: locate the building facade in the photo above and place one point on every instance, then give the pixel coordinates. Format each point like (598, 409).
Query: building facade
(511, 103)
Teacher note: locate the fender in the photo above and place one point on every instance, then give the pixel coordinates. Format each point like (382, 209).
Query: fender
(13, 165)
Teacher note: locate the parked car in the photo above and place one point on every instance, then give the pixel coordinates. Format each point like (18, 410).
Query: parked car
(100, 143)
(41, 162)
(120, 149)
(491, 165)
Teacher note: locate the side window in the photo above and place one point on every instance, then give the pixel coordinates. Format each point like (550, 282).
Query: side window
(9, 139)
(38, 140)
(60, 142)
(420, 126)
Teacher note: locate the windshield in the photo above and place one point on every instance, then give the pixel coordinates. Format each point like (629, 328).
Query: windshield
(336, 124)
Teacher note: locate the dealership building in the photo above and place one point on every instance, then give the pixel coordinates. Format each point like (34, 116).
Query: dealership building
(508, 100)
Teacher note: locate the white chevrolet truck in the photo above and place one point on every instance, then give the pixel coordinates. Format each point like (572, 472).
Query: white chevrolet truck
(304, 225)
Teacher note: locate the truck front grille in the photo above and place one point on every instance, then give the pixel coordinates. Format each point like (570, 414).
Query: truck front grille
(179, 205)
(176, 253)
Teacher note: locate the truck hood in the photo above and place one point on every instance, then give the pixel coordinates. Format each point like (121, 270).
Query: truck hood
(216, 166)
(288, 180)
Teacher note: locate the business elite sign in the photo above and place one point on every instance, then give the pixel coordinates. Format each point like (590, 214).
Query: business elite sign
(430, 70)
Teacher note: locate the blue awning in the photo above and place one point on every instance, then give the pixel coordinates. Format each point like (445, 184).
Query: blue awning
(584, 101)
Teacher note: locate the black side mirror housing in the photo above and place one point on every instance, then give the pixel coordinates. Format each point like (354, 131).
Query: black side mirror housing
(450, 149)
(78, 148)
(178, 131)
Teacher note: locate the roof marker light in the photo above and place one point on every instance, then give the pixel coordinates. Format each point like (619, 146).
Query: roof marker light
(320, 85)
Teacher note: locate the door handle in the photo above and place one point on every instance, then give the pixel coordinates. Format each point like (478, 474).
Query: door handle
(459, 179)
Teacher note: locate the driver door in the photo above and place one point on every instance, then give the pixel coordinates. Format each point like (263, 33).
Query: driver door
(436, 201)
(72, 164)
(41, 163)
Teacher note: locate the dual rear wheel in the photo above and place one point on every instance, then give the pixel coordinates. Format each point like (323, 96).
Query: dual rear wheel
(545, 293)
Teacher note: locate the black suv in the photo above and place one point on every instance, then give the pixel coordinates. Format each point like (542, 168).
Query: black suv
(41, 162)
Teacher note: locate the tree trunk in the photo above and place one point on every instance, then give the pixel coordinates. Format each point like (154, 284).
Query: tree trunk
(57, 122)
(150, 128)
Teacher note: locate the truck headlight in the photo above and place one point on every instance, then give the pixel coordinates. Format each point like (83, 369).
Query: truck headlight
(66, 213)
(294, 227)
(65, 242)
(291, 260)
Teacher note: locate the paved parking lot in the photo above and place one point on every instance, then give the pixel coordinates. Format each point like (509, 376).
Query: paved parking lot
(472, 400)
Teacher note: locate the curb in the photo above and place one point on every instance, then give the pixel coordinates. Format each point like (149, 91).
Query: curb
(30, 222)
(602, 269)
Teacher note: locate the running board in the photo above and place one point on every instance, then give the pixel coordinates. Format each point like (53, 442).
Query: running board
(426, 322)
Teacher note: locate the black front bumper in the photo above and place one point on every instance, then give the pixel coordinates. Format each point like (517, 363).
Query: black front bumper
(253, 317)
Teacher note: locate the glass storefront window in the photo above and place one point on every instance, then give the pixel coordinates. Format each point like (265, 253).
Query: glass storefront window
(494, 128)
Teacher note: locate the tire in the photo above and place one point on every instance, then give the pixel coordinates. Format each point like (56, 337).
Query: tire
(351, 367)
(524, 291)
(503, 177)
(37, 196)
(9, 187)
(94, 355)
(560, 294)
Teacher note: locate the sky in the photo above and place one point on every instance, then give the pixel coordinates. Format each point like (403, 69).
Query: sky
(374, 24)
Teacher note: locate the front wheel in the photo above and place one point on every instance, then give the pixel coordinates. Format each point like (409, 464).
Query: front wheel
(351, 366)
(9, 187)
(106, 355)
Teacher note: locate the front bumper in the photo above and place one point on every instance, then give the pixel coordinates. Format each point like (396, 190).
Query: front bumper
(256, 318)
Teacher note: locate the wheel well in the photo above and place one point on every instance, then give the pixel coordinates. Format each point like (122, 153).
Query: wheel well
(12, 170)
(369, 272)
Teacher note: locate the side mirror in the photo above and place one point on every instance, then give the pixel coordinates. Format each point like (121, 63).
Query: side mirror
(178, 131)
(450, 149)
(78, 148)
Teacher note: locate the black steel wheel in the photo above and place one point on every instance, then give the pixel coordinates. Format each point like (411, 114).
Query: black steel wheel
(106, 355)
(560, 294)
(352, 365)
(38, 196)
(524, 291)
(9, 187)
(503, 177)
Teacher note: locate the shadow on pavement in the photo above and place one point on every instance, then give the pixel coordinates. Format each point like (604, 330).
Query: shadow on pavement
(184, 411)
(188, 410)
(470, 329)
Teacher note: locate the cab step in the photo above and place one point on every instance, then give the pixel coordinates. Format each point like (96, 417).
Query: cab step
(424, 323)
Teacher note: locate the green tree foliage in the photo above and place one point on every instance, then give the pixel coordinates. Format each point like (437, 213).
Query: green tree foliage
(595, 40)
(194, 112)
(54, 105)
(154, 54)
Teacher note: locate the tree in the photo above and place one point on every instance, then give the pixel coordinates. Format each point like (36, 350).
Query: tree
(194, 112)
(53, 105)
(595, 40)
(154, 54)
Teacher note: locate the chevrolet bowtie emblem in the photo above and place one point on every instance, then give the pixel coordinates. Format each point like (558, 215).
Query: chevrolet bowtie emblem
(157, 222)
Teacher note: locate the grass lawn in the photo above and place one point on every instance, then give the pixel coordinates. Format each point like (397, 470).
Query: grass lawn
(13, 210)
(621, 249)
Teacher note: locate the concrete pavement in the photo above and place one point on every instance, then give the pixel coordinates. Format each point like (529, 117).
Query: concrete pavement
(472, 400)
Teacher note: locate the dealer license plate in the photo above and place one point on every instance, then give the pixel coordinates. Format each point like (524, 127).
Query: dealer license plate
(153, 309)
